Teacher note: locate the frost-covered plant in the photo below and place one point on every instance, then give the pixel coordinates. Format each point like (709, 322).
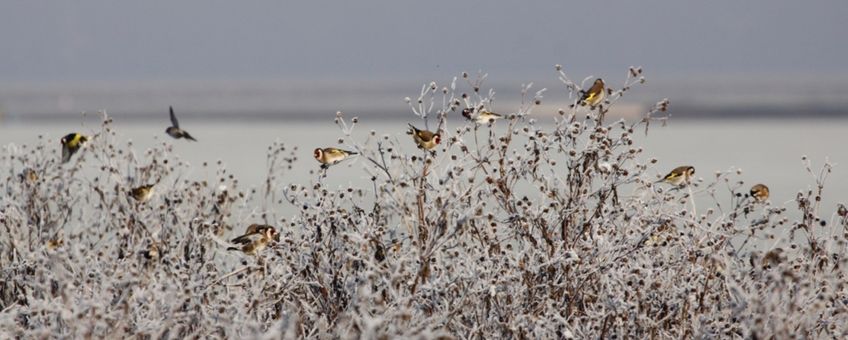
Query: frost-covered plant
(511, 229)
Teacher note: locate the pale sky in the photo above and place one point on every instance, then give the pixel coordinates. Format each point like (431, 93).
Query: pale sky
(202, 39)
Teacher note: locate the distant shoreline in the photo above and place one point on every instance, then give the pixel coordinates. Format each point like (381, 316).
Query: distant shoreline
(700, 98)
(678, 112)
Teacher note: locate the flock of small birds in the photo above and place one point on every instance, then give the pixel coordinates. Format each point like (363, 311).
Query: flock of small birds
(532, 232)
(682, 175)
(678, 176)
(257, 237)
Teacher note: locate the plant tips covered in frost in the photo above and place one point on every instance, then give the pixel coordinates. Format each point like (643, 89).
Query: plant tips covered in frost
(505, 229)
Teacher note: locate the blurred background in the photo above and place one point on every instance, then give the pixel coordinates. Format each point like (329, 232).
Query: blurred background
(753, 84)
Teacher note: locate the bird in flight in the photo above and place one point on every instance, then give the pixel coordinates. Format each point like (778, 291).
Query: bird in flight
(174, 130)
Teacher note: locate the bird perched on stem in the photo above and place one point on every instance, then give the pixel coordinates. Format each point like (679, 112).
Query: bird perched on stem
(330, 156)
(142, 193)
(760, 192)
(54, 243)
(174, 130)
(483, 117)
(594, 95)
(680, 175)
(425, 139)
(71, 143)
(251, 230)
(255, 238)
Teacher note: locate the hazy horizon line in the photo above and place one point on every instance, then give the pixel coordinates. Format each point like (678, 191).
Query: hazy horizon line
(282, 99)
(676, 112)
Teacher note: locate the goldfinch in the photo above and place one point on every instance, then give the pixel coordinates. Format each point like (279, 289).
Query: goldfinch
(142, 193)
(71, 143)
(174, 130)
(483, 117)
(255, 239)
(773, 258)
(330, 156)
(680, 175)
(760, 192)
(486, 117)
(594, 95)
(250, 231)
(52, 244)
(426, 140)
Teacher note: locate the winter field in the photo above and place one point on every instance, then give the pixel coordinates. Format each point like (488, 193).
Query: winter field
(509, 229)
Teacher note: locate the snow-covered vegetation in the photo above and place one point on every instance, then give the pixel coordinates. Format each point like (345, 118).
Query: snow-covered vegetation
(508, 229)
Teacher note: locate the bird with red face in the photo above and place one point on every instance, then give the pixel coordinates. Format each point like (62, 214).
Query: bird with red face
(427, 140)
